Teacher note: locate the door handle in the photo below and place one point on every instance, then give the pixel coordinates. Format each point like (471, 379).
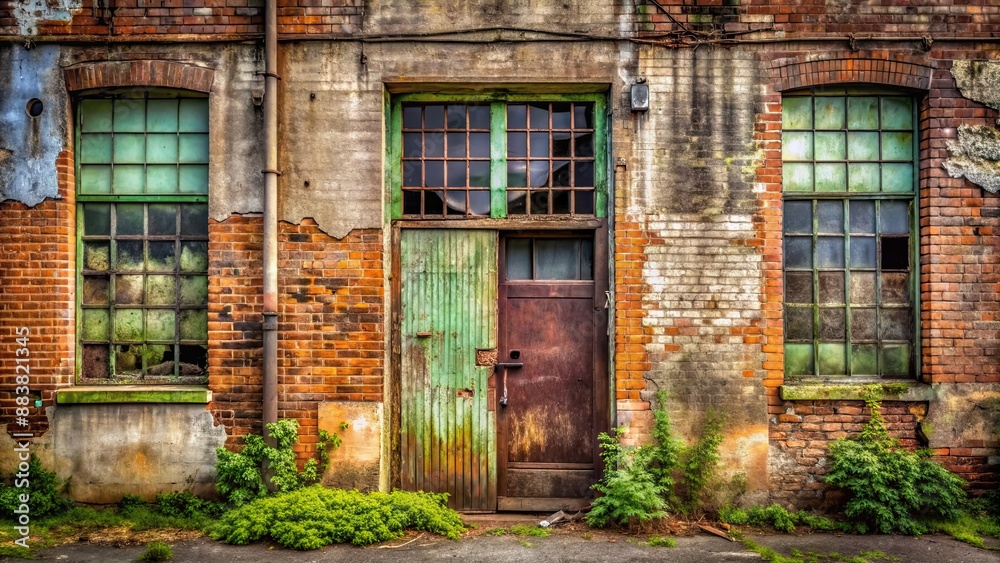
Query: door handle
(514, 354)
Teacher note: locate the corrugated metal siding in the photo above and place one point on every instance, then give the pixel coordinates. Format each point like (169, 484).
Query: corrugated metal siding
(449, 293)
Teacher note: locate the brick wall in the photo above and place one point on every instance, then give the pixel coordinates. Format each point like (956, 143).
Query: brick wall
(959, 243)
(958, 269)
(330, 323)
(800, 438)
(331, 339)
(691, 19)
(37, 280)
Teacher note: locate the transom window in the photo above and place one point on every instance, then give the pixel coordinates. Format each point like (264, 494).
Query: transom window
(142, 170)
(520, 157)
(848, 162)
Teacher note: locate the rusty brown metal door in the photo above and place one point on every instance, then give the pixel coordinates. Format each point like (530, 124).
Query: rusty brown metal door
(448, 312)
(548, 414)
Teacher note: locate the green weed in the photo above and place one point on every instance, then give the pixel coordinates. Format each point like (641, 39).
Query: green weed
(313, 517)
(526, 530)
(658, 541)
(157, 551)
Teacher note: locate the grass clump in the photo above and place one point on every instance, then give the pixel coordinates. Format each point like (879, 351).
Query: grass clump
(313, 517)
(890, 488)
(157, 551)
(777, 517)
(660, 541)
(526, 530)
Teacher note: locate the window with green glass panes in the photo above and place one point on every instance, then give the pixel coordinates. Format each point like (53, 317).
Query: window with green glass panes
(849, 185)
(142, 185)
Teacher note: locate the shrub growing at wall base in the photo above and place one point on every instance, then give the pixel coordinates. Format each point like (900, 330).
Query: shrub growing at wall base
(238, 475)
(43, 488)
(889, 487)
(313, 517)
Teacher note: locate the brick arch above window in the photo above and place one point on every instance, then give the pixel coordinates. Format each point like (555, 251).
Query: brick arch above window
(901, 71)
(146, 73)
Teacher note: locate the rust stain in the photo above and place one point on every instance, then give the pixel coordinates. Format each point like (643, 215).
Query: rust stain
(486, 357)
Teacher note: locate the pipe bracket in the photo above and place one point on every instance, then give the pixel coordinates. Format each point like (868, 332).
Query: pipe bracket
(270, 321)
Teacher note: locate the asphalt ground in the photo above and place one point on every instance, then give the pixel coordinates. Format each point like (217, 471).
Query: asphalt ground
(567, 543)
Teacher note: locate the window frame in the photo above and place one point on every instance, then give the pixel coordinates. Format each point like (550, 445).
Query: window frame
(498, 151)
(114, 199)
(912, 197)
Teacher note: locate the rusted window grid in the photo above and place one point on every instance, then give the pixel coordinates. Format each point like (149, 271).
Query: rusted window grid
(115, 273)
(446, 198)
(545, 198)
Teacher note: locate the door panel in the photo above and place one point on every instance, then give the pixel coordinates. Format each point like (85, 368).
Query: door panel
(547, 432)
(448, 288)
(550, 414)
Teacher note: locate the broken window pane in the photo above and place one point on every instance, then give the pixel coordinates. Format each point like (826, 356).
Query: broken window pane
(895, 253)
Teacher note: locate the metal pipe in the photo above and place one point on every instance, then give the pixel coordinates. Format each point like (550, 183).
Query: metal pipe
(271, 173)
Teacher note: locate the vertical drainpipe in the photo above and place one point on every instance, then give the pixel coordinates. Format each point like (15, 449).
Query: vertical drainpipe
(271, 173)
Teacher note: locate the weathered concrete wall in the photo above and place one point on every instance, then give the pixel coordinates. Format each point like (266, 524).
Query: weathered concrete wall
(689, 279)
(29, 146)
(332, 122)
(403, 17)
(355, 464)
(110, 450)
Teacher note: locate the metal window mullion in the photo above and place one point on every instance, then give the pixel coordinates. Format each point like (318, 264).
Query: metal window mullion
(849, 367)
(177, 290)
(878, 288)
(815, 282)
(112, 288)
(498, 160)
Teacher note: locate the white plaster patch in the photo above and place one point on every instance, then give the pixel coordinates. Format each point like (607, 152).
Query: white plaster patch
(29, 13)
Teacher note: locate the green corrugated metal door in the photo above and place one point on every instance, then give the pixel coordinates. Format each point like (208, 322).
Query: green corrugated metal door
(449, 311)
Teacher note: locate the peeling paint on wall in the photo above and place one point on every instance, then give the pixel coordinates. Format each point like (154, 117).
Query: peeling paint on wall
(29, 146)
(976, 153)
(29, 13)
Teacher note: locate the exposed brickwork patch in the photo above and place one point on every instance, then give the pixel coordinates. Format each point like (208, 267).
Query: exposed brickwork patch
(164, 74)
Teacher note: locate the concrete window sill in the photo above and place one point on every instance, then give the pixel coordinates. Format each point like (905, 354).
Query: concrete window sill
(852, 390)
(98, 394)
